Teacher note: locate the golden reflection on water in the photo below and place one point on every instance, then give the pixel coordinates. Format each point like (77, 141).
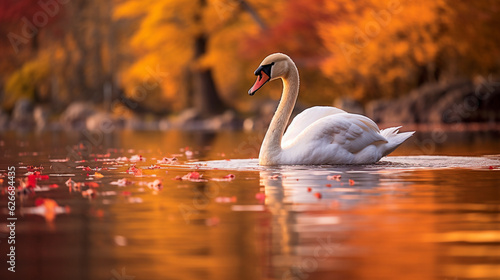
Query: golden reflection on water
(390, 224)
(384, 227)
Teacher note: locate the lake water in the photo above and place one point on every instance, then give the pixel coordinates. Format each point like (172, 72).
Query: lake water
(427, 212)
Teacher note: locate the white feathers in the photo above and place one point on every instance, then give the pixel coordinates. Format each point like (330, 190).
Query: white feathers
(321, 135)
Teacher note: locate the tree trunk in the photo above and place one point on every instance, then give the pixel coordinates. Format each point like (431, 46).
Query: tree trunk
(206, 100)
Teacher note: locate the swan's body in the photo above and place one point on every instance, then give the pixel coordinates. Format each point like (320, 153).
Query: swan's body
(318, 135)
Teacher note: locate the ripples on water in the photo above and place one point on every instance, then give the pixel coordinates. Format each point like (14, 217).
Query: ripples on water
(402, 218)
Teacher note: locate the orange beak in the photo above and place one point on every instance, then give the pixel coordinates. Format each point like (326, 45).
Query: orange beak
(262, 78)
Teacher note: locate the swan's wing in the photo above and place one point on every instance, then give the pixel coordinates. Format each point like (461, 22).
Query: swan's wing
(351, 132)
(305, 119)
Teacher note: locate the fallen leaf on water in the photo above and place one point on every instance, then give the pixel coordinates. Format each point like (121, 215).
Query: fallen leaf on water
(351, 182)
(91, 184)
(121, 159)
(192, 176)
(260, 196)
(134, 199)
(59, 160)
(32, 179)
(248, 207)
(39, 201)
(136, 158)
(99, 213)
(334, 177)
(98, 175)
(120, 240)
(225, 199)
(213, 221)
(121, 182)
(108, 193)
(154, 166)
(167, 160)
(228, 177)
(318, 195)
(134, 170)
(32, 168)
(155, 185)
(70, 184)
(46, 208)
(89, 193)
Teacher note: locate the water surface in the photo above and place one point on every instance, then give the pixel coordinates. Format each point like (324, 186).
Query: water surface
(427, 213)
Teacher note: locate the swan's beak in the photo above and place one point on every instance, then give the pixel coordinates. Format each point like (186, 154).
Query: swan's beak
(262, 78)
(263, 74)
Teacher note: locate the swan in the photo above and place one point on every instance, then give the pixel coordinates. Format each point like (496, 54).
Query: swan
(319, 135)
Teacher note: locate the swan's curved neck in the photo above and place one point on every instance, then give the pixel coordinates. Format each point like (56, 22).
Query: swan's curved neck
(271, 146)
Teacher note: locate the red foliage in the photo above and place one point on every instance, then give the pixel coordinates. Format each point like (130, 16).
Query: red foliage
(296, 34)
(14, 10)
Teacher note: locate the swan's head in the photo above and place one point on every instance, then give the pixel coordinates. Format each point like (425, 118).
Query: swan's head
(274, 66)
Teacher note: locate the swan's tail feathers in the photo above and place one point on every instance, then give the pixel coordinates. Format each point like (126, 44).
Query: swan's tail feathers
(394, 139)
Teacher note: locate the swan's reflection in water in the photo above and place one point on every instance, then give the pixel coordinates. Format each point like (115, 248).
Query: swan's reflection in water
(309, 235)
(350, 232)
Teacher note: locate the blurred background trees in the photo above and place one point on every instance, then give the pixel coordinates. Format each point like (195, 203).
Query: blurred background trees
(386, 48)
(168, 55)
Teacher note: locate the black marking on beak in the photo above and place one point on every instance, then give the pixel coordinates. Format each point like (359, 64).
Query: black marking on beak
(264, 68)
(263, 72)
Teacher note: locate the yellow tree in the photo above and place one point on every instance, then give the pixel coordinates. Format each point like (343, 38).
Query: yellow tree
(58, 51)
(192, 44)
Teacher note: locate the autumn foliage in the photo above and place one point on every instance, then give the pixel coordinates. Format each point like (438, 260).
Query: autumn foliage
(386, 48)
(168, 55)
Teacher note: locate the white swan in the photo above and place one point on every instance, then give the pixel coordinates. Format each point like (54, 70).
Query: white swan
(319, 135)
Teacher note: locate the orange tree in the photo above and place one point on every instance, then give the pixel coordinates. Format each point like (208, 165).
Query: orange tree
(195, 46)
(381, 48)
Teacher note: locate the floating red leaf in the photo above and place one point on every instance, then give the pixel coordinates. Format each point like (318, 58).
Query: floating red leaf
(334, 177)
